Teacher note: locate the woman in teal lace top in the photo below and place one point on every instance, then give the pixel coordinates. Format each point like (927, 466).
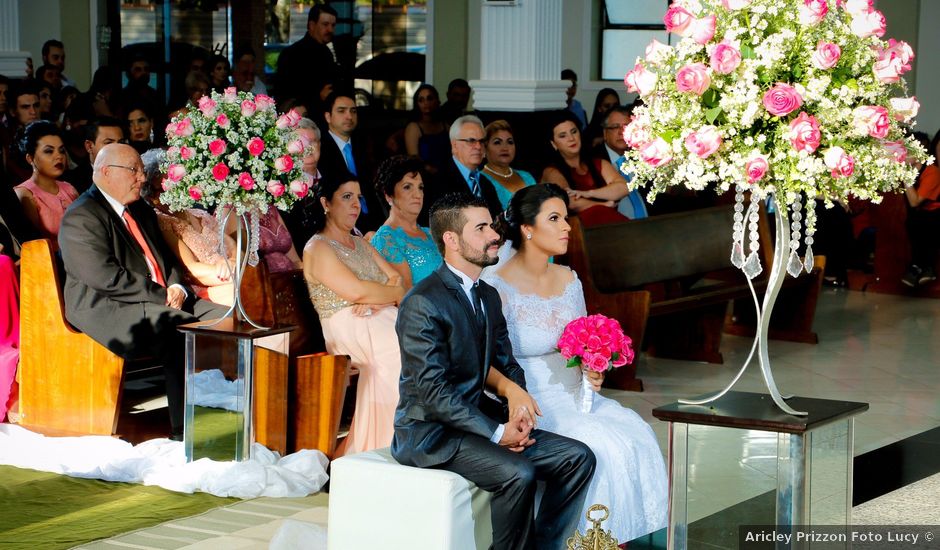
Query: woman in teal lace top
(401, 241)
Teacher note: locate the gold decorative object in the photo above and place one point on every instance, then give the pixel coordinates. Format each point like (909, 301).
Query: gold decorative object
(595, 538)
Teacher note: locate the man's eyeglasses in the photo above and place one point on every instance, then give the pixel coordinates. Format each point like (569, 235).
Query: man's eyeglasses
(616, 126)
(137, 170)
(472, 142)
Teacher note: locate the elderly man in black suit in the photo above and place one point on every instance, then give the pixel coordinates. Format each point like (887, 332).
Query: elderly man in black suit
(462, 173)
(123, 287)
(454, 344)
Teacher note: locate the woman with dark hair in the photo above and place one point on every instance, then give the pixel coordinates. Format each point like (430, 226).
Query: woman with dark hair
(426, 135)
(43, 196)
(46, 103)
(539, 299)
(573, 169)
(400, 240)
(219, 72)
(356, 294)
(606, 99)
(140, 121)
(500, 150)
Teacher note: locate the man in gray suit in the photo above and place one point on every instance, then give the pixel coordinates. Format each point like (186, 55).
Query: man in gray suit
(454, 344)
(123, 285)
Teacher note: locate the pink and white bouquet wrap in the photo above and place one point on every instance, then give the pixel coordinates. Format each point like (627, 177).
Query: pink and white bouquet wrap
(596, 343)
(233, 149)
(800, 99)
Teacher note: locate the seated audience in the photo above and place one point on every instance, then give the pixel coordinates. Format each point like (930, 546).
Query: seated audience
(500, 152)
(300, 218)
(400, 240)
(193, 235)
(43, 196)
(355, 292)
(97, 133)
(275, 245)
(46, 105)
(572, 169)
(923, 222)
(219, 73)
(426, 135)
(607, 99)
(140, 121)
(612, 148)
(123, 286)
(244, 74)
(462, 173)
(22, 108)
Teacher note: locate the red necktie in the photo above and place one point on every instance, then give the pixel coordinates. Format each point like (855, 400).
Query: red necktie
(139, 237)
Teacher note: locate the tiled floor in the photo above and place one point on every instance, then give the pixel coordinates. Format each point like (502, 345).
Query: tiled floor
(874, 348)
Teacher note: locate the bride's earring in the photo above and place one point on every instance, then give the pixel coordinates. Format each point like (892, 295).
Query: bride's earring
(528, 236)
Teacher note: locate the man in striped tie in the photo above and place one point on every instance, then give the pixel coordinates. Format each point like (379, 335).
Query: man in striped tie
(123, 285)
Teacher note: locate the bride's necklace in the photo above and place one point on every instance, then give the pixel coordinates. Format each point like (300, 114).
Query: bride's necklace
(488, 169)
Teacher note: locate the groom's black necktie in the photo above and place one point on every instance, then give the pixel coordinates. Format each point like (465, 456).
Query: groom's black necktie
(478, 305)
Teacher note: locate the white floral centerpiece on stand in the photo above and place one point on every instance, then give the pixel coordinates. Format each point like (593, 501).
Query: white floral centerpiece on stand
(789, 101)
(235, 153)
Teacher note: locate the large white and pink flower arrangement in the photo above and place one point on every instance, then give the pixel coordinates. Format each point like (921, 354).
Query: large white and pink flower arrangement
(234, 150)
(799, 98)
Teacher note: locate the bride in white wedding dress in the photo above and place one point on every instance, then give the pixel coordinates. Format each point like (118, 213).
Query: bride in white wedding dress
(539, 299)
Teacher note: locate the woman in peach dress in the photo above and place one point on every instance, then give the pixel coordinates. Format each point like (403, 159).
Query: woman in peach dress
(43, 196)
(356, 294)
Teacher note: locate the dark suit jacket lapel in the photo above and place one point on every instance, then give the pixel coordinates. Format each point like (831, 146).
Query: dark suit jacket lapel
(121, 229)
(452, 282)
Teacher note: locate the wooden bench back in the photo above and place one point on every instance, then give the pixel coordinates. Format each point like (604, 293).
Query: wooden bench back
(661, 248)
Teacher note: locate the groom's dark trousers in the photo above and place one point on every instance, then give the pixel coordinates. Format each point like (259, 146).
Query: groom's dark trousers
(440, 421)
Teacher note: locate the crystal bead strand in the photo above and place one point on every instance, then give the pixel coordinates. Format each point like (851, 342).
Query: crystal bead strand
(255, 239)
(752, 267)
(808, 261)
(737, 236)
(794, 265)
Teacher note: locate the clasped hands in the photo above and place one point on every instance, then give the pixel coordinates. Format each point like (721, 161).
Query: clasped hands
(523, 411)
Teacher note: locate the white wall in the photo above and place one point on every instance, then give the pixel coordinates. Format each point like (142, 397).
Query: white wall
(927, 51)
(40, 20)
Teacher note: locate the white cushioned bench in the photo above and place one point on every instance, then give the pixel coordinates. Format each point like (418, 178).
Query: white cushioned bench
(375, 502)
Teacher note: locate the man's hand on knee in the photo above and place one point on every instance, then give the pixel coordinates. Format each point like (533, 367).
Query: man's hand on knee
(175, 297)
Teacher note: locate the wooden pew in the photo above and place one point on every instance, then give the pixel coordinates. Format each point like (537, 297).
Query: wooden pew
(669, 281)
(316, 380)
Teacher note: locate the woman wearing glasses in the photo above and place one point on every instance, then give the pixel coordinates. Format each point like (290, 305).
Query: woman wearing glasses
(500, 152)
(43, 196)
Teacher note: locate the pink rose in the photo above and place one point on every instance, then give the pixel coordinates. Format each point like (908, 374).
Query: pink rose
(284, 163)
(905, 108)
(656, 153)
(598, 363)
(656, 51)
(296, 147)
(871, 120)
(725, 58)
(841, 164)
(264, 102)
(223, 121)
(826, 55)
(811, 12)
(735, 4)
(245, 181)
(804, 133)
(693, 78)
(248, 108)
(183, 128)
(704, 142)
(186, 153)
(637, 133)
(640, 80)
(756, 168)
(176, 172)
(172, 152)
(255, 146)
(856, 7)
(165, 184)
(195, 193)
(677, 20)
(207, 106)
(217, 147)
(703, 30)
(276, 188)
(870, 24)
(893, 61)
(782, 99)
(230, 95)
(220, 171)
(299, 188)
(896, 150)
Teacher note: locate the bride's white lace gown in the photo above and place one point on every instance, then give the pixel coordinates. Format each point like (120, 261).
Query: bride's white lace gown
(631, 477)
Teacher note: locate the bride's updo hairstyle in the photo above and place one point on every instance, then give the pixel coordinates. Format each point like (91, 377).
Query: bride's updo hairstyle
(524, 206)
(326, 188)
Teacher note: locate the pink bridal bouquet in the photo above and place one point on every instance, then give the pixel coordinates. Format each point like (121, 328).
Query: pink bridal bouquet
(234, 150)
(799, 100)
(596, 343)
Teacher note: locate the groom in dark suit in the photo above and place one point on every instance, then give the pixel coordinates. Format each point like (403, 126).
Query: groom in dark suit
(454, 344)
(123, 286)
